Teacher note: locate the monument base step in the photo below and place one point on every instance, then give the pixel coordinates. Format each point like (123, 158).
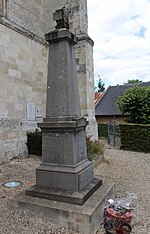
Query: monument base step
(65, 196)
(84, 219)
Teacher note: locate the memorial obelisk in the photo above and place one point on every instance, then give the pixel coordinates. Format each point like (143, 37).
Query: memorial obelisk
(65, 173)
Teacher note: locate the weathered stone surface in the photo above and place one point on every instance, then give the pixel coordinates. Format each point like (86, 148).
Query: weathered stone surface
(84, 55)
(62, 75)
(77, 17)
(64, 158)
(70, 142)
(23, 75)
(24, 13)
(74, 197)
(23, 62)
(13, 138)
(66, 178)
(1, 7)
(85, 74)
(84, 219)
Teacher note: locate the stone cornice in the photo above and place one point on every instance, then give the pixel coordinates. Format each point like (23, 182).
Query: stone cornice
(85, 37)
(8, 23)
(61, 34)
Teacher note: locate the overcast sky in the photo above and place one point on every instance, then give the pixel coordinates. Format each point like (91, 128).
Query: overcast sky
(121, 32)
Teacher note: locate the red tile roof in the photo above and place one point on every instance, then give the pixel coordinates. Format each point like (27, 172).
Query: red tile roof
(98, 96)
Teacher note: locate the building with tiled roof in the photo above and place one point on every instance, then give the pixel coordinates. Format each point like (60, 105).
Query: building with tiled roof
(106, 108)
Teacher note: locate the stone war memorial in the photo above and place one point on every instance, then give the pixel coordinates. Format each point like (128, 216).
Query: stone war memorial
(66, 190)
(24, 68)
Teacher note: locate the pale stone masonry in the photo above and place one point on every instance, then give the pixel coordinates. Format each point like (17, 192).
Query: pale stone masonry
(23, 68)
(23, 75)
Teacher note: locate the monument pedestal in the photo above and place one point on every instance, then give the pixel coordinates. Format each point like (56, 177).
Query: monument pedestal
(78, 197)
(64, 160)
(65, 173)
(84, 219)
(65, 177)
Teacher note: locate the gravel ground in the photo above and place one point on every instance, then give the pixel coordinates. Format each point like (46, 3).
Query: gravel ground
(129, 170)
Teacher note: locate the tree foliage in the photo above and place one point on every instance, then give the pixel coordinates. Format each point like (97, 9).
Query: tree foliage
(136, 102)
(100, 86)
(134, 81)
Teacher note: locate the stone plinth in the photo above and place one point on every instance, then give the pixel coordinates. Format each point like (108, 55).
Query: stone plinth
(84, 219)
(65, 173)
(77, 197)
(64, 159)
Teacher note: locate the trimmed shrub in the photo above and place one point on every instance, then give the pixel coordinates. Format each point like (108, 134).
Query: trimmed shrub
(102, 130)
(135, 137)
(34, 142)
(136, 102)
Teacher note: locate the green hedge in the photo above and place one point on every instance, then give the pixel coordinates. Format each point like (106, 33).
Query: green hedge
(102, 130)
(135, 137)
(34, 142)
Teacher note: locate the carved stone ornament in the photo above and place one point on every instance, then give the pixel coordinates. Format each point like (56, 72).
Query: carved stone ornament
(61, 18)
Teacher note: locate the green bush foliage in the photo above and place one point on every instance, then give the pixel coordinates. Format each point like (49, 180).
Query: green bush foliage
(102, 130)
(135, 137)
(136, 103)
(34, 142)
(133, 81)
(94, 148)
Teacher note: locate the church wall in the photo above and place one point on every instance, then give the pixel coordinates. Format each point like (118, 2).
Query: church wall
(27, 14)
(23, 75)
(1, 7)
(23, 62)
(77, 17)
(84, 60)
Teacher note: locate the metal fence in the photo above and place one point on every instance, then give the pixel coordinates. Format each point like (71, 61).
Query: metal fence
(114, 133)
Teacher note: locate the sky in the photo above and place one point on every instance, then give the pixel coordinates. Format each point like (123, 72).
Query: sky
(121, 33)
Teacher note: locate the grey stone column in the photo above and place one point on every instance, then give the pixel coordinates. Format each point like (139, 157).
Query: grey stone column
(62, 88)
(65, 173)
